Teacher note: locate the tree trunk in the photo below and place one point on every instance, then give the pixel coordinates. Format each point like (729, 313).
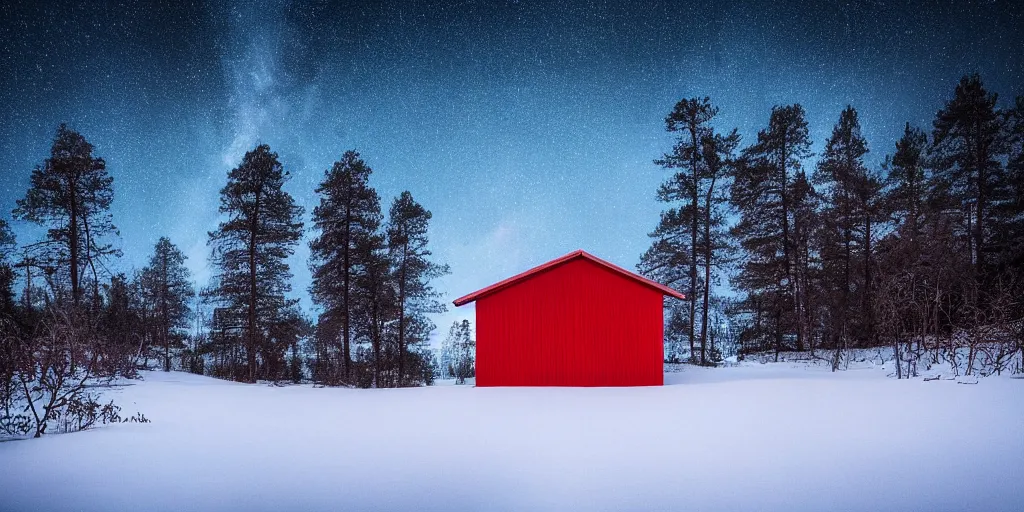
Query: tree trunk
(867, 304)
(92, 266)
(401, 315)
(693, 240)
(704, 314)
(376, 333)
(28, 284)
(844, 309)
(346, 257)
(804, 314)
(165, 327)
(981, 157)
(708, 252)
(786, 240)
(73, 239)
(251, 349)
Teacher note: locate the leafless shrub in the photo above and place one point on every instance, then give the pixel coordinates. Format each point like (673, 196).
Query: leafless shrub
(51, 379)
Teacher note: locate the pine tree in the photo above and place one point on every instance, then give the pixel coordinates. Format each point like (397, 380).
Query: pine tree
(762, 192)
(407, 246)
(689, 233)
(249, 250)
(717, 152)
(167, 288)
(849, 222)
(968, 142)
(679, 228)
(348, 214)
(71, 193)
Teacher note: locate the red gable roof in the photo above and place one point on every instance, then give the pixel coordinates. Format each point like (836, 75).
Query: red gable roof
(559, 261)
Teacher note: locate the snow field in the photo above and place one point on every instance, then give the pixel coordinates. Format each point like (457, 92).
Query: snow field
(754, 437)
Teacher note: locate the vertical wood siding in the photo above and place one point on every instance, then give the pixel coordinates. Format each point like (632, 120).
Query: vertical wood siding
(577, 324)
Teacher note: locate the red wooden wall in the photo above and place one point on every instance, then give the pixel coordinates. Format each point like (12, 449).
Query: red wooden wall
(577, 324)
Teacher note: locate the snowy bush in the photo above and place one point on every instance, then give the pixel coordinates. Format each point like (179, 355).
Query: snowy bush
(50, 380)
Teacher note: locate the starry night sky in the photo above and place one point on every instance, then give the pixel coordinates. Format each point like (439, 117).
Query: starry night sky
(528, 129)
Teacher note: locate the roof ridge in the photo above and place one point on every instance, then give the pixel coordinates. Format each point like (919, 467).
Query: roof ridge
(579, 253)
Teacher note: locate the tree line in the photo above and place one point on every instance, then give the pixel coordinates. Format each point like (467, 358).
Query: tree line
(923, 253)
(78, 318)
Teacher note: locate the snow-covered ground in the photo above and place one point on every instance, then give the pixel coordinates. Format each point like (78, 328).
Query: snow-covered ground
(785, 436)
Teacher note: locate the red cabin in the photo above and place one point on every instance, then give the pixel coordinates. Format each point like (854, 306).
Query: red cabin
(574, 321)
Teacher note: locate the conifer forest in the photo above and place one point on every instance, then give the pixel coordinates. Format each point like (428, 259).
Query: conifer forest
(922, 253)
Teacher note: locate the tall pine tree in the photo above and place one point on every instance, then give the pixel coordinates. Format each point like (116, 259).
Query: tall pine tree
(412, 270)
(967, 145)
(762, 192)
(849, 225)
(690, 118)
(718, 154)
(347, 216)
(250, 247)
(71, 193)
(688, 240)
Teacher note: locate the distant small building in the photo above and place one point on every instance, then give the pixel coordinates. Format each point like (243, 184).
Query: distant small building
(574, 321)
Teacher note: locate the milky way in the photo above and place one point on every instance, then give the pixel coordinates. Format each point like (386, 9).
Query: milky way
(528, 130)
